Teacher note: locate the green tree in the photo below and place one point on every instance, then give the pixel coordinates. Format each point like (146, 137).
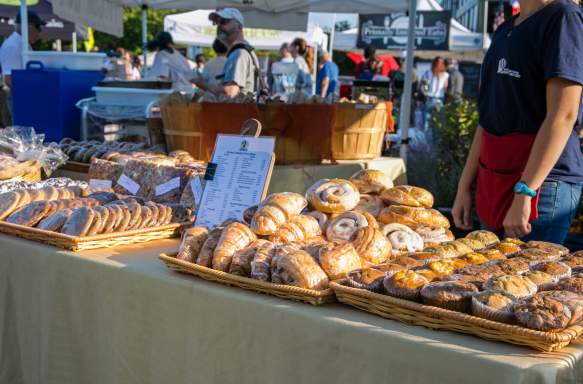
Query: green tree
(343, 25)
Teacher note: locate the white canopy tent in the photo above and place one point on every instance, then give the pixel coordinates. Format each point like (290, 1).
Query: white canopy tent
(194, 28)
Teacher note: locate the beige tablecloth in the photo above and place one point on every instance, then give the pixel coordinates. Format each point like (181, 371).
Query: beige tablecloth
(120, 316)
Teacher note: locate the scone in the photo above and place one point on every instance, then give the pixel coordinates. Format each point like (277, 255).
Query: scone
(554, 268)
(542, 280)
(493, 305)
(405, 285)
(453, 295)
(517, 286)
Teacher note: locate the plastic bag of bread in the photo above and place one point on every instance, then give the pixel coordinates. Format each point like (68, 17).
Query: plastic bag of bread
(192, 241)
(333, 195)
(338, 259)
(298, 228)
(408, 195)
(413, 216)
(371, 181)
(234, 237)
(261, 263)
(300, 269)
(205, 256)
(278, 252)
(275, 211)
(241, 262)
(343, 226)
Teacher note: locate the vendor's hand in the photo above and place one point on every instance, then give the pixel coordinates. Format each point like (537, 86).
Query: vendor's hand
(516, 221)
(462, 207)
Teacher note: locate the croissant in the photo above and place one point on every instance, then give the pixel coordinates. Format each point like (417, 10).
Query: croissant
(279, 252)
(408, 195)
(299, 269)
(205, 256)
(372, 246)
(337, 259)
(333, 195)
(235, 237)
(402, 238)
(299, 228)
(275, 211)
(191, 244)
(371, 204)
(241, 262)
(413, 217)
(261, 263)
(371, 181)
(343, 226)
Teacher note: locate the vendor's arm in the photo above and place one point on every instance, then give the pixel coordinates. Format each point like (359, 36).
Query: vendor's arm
(463, 200)
(324, 87)
(563, 101)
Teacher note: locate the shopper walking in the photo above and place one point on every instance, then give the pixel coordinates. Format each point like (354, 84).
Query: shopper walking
(455, 83)
(327, 77)
(304, 57)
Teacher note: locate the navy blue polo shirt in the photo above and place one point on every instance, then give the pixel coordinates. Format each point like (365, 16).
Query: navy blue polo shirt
(516, 68)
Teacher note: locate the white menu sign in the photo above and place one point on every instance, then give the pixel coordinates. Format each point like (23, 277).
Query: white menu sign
(243, 166)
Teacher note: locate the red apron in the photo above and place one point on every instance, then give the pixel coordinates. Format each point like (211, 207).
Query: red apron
(502, 162)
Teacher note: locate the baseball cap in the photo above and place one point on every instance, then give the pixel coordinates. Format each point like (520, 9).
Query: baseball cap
(33, 19)
(228, 13)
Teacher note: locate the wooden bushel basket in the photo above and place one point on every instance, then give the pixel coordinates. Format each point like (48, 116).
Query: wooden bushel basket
(182, 129)
(359, 131)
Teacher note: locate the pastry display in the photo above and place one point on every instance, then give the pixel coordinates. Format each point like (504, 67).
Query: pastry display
(371, 181)
(407, 195)
(275, 211)
(333, 195)
(343, 226)
(405, 284)
(453, 295)
(338, 259)
(402, 238)
(413, 216)
(371, 204)
(234, 237)
(494, 305)
(372, 246)
(301, 270)
(515, 285)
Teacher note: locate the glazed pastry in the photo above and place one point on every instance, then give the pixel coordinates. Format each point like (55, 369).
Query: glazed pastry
(413, 217)
(275, 211)
(371, 181)
(543, 313)
(192, 241)
(453, 295)
(434, 236)
(474, 258)
(235, 237)
(517, 286)
(548, 247)
(370, 279)
(493, 305)
(343, 226)
(261, 263)
(402, 238)
(298, 228)
(371, 204)
(575, 261)
(408, 195)
(507, 248)
(429, 274)
(405, 285)
(542, 280)
(205, 256)
(424, 257)
(485, 237)
(554, 268)
(333, 195)
(337, 259)
(241, 262)
(301, 270)
(372, 246)
(513, 240)
(408, 262)
(492, 254)
(442, 267)
(321, 217)
(474, 244)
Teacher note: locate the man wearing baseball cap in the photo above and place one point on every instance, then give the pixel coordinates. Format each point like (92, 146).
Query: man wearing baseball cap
(242, 71)
(11, 50)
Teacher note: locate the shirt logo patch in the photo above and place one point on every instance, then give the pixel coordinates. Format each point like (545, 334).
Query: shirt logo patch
(503, 70)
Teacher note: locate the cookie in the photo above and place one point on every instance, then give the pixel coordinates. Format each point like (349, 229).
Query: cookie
(8, 203)
(30, 214)
(55, 221)
(79, 222)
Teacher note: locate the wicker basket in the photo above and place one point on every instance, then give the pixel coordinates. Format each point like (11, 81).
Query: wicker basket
(359, 130)
(78, 243)
(443, 319)
(182, 129)
(284, 291)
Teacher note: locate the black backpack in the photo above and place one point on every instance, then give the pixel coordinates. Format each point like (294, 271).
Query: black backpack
(261, 88)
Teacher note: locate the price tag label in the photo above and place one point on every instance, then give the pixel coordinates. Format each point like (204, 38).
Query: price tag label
(130, 185)
(168, 186)
(99, 184)
(196, 186)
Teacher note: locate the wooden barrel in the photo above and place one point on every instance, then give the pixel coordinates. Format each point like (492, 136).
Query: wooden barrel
(182, 129)
(359, 130)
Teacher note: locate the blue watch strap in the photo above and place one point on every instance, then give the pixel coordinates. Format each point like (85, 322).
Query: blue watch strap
(522, 188)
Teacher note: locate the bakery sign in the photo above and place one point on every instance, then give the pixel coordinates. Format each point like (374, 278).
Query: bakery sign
(390, 31)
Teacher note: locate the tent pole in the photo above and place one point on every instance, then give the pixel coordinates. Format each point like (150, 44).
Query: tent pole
(332, 33)
(315, 75)
(145, 37)
(24, 31)
(74, 42)
(404, 118)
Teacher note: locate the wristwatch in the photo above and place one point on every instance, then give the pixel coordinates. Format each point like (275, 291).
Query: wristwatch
(522, 189)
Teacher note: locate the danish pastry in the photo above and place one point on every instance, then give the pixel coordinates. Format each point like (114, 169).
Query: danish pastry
(372, 246)
(337, 259)
(299, 228)
(343, 226)
(333, 195)
(371, 181)
(402, 238)
(275, 211)
(371, 204)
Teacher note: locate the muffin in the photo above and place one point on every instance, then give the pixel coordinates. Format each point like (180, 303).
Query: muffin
(389, 268)
(554, 268)
(453, 295)
(370, 279)
(543, 313)
(474, 244)
(515, 285)
(542, 280)
(486, 237)
(408, 262)
(424, 257)
(574, 261)
(405, 285)
(441, 267)
(494, 305)
(477, 274)
(507, 248)
(514, 266)
(548, 247)
(536, 255)
(474, 258)
(492, 254)
(572, 284)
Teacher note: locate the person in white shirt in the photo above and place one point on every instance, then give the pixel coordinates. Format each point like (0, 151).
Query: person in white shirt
(215, 67)
(304, 57)
(11, 50)
(433, 85)
(169, 64)
(285, 55)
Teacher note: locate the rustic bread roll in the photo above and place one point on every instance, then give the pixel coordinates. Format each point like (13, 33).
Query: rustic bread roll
(408, 195)
(333, 195)
(371, 181)
(275, 211)
(299, 228)
(343, 226)
(235, 237)
(338, 259)
(413, 216)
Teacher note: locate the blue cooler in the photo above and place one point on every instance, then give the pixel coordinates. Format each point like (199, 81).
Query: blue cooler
(45, 99)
